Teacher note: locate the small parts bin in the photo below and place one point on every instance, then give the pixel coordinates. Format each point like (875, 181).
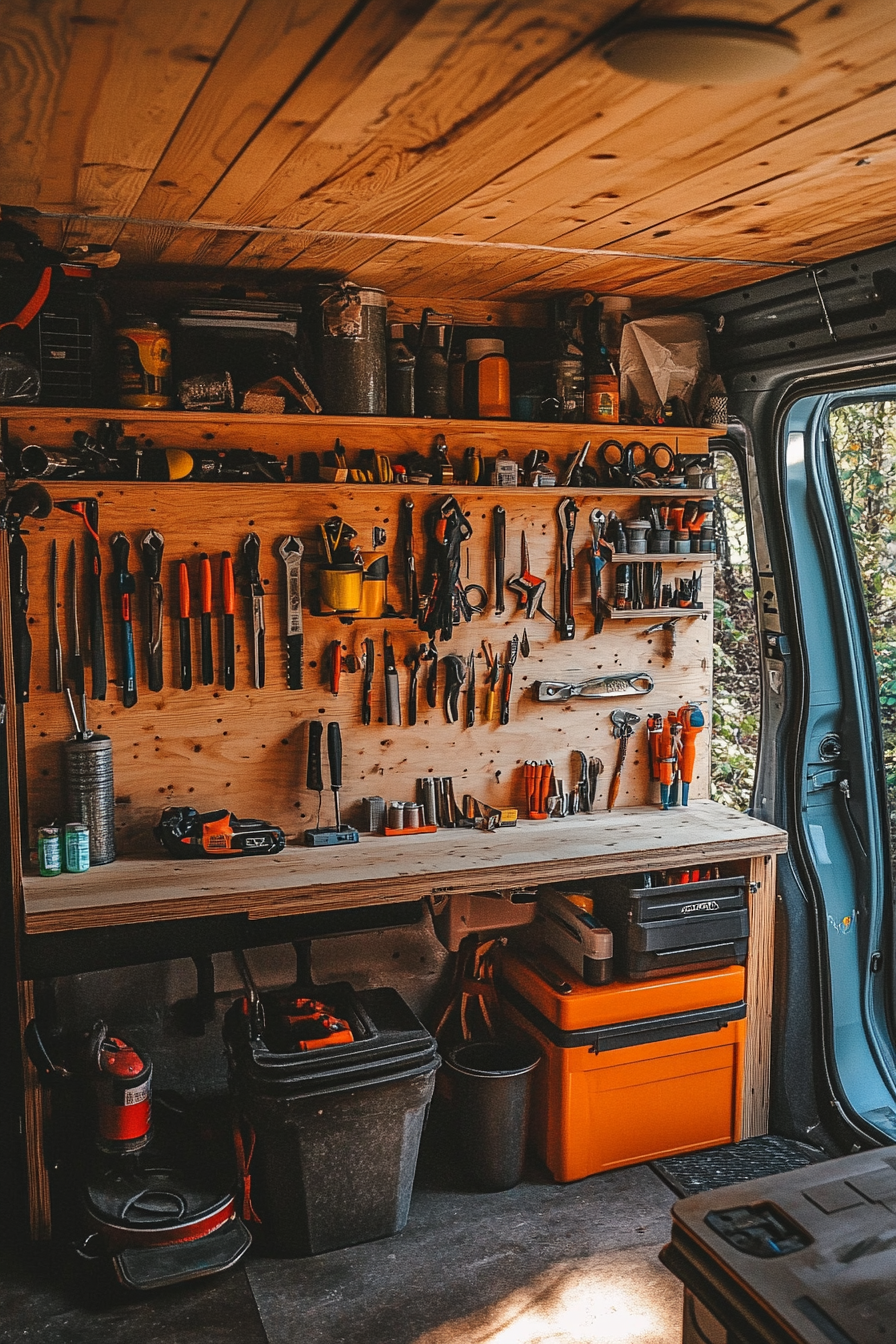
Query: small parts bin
(631, 1071)
(336, 1129)
(659, 930)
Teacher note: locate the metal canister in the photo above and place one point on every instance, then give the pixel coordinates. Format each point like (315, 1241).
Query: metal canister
(413, 816)
(353, 350)
(90, 792)
(77, 847)
(143, 361)
(395, 816)
(681, 543)
(49, 858)
(426, 789)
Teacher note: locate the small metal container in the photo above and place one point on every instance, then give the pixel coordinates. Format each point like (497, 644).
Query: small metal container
(49, 857)
(373, 812)
(90, 792)
(681, 543)
(637, 538)
(413, 816)
(395, 817)
(660, 541)
(77, 848)
(426, 792)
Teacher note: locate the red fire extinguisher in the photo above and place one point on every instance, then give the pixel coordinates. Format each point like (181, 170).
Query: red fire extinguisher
(122, 1086)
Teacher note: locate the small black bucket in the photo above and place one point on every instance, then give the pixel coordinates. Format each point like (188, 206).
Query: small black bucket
(490, 1086)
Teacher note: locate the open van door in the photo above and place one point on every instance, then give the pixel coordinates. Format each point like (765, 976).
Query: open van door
(821, 768)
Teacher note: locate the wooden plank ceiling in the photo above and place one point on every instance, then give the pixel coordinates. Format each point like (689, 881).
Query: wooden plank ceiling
(490, 127)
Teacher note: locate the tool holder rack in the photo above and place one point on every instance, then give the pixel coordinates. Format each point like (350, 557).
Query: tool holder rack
(245, 749)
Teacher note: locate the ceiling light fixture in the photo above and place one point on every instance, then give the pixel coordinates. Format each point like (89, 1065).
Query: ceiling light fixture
(698, 51)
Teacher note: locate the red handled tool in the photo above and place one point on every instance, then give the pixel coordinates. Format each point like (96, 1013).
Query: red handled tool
(228, 602)
(186, 650)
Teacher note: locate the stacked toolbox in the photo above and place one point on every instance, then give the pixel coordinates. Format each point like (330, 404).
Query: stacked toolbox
(658, 930)
(632, 1071)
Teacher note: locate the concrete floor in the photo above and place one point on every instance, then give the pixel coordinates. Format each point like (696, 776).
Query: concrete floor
(573, 1264)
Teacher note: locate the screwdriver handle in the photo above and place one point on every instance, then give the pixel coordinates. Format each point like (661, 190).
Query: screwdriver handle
(205, 584)
(228, 592)
(183, 583)
(334, 753)
(314, 778)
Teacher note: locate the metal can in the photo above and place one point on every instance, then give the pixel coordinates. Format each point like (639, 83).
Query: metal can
(426, 790)
(77, 847)
(143, 353)
(49, 858)
(413, 816)
(353, 350)
(395, 817)
(90, 792)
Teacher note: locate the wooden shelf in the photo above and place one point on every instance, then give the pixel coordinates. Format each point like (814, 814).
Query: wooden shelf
(382, 869)
(621, 558)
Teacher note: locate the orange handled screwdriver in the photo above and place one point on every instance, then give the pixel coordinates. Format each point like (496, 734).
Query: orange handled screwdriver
(228, 599)
(186, 651)
(666, 759)
(205, 619)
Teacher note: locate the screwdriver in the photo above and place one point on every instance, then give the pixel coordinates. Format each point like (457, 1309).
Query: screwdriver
(186, 652)
(205, 619)
(228, 601)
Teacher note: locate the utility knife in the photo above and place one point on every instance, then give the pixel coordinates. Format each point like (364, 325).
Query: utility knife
(252, 553)
(393, 691)
(291, 552)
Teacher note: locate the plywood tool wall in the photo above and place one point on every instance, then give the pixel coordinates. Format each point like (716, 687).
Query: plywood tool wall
(247, 749)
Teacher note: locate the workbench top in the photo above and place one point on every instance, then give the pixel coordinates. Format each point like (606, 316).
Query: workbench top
(384, 869)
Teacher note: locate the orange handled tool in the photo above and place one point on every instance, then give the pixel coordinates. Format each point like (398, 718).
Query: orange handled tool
(228, 600)
(205, 619)
(666, 759)
(692, 722)
(186, 651)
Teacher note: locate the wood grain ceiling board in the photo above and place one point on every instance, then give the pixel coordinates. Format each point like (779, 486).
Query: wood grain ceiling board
(493, 120)
(459, 64)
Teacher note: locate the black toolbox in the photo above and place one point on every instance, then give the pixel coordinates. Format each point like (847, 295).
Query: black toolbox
(657, 930)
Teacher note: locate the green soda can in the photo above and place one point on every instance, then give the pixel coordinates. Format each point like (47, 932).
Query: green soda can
(49, 857)
(77, 847)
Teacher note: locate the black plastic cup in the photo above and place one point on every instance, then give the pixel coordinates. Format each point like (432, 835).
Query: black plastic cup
(490, 1086)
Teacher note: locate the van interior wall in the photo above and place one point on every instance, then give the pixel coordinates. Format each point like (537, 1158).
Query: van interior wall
(146, 1003)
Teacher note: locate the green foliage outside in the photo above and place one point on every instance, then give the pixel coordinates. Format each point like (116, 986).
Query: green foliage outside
(863, 439)
(864, 444)
(735, 710)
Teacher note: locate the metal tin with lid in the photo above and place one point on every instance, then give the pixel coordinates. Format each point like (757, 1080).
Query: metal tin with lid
(353, 350)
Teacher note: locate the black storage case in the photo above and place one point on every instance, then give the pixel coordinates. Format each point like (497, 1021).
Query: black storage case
(660, 930)
(252, 341)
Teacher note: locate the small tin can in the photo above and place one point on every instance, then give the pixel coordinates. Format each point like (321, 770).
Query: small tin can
(426, 790)
(681, 543)
(395, 817)
(49, 857)
(413, 816)
(77, 847)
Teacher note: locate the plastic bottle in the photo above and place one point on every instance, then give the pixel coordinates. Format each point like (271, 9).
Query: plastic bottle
(432, 374)
(486, 381)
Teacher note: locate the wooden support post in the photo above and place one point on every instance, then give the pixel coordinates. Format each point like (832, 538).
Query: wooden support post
(760, 974)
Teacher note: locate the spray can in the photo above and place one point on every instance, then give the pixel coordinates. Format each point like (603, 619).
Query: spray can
(90, 792)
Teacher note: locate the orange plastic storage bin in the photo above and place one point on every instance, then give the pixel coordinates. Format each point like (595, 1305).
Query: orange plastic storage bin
(631, 1071)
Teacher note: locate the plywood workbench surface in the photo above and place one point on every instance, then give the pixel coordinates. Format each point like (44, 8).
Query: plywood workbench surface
(381, 869)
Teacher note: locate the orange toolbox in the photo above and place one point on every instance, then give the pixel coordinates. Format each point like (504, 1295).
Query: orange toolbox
(633, 1070)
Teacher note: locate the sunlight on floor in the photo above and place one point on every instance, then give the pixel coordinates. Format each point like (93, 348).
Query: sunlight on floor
(604, 1299)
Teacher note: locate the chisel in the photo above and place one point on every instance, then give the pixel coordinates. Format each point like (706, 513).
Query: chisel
(291, 552)
(151, 548)
(186, 651)
(499, 535)
(393, 691)
(56, 682)
(228, 603)
(205, 619)
(124, 588)
(88, 510)
(75, 657)
(252, 553)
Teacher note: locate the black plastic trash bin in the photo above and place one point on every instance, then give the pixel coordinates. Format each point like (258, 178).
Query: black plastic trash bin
(490, 1083)
(337, 1130)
